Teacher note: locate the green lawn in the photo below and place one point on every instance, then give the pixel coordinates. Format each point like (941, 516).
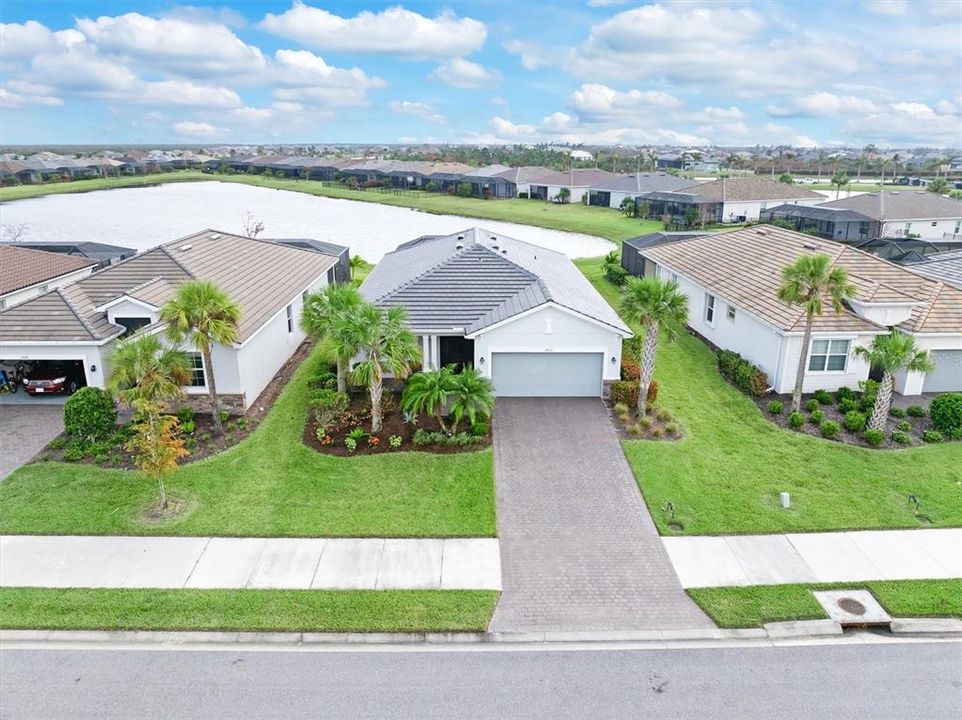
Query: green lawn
(270, 485)
(726, 474)
(734, 607)
(22, 192)
(248, 610)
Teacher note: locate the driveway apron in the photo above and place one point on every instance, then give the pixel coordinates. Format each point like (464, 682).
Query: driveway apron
(579, 550)
(24, 431)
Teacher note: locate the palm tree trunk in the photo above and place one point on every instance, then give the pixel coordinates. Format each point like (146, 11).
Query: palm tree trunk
(341, 375)
(647, 365)
(212, 391)
(883, 402)
(377, 389)
(802, 361)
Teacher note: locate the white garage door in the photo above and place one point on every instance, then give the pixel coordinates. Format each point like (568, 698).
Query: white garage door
(547, 374)
(947, 376)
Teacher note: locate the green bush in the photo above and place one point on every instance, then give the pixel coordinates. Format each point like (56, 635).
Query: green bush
(901, 438)
(615, 274)
(953, 434)
(847, 405)
(916, 411)
(89, 413)
(742, 374)
(816, 417)
(829, 429)
(58, 443)
(775, 407)
(869, 389)
(464, 190)
(897, 412)
(824, 397)
(932, 436)
(328, 406)
(904, 426)
(946, 412)
(671, 428)
(664, 415)
(812, 405)
(796, 420)
(480, 429)
(626, 391)
(185, 414)
(873, 437)
(844, 393)
(855, 421)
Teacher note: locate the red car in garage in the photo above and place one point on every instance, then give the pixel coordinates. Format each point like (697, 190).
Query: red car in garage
(53, 377)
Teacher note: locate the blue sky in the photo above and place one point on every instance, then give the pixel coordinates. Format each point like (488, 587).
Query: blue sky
(887, 72)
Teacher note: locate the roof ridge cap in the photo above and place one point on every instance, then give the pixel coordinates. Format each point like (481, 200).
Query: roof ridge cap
(929, 305)
(410, 281)
(61, 291)
(178, 263)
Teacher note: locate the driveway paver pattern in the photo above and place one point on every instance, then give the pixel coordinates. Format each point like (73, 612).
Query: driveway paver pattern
(24, 431)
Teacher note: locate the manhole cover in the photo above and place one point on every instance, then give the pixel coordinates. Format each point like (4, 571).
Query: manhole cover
(851, 606)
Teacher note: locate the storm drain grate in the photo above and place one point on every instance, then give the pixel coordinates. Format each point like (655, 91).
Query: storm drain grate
(852, 607)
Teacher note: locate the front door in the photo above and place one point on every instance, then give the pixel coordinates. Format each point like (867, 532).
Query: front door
(457, 351)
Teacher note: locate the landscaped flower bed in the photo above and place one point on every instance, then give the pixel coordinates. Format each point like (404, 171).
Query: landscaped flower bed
(656, 424)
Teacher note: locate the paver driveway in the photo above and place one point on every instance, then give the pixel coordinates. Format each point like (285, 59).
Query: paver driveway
(579, 550)
(24, 430)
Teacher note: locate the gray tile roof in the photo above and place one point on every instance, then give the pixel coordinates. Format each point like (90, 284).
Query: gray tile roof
(901, 205)
(749, 189)
(657, 238)
(945, 266)
(642, 182)
(473, 279)
(579, 177)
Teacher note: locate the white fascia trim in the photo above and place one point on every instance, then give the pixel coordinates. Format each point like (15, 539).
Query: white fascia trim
(284, 306)
(127, 298)
(550, 304)
(53, 343)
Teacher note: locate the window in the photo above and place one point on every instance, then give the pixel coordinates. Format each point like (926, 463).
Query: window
(330, 275)
(133, 324)
(828, 356)
(908, 228)
(290, 318)
(935, 223)
(958, 226)
(197, 376)
(710, 309)
(731, 313)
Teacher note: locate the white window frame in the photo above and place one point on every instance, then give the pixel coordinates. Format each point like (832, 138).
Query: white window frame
(828, 354)
(289, 312)
(709, 315)
(730, 313)
(193, 369)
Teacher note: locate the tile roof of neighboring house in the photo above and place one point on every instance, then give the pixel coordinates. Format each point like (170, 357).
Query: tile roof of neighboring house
(745, 267)
(487, 171)
(579, 177)
(642, 182)
(945, 266)
(660, 237)
(22, 267)
(818, 212)
(901, 205)
(471, 280)
(262, 277)
(526, 174)
(93, 250)
(749, 190)
(310, 244)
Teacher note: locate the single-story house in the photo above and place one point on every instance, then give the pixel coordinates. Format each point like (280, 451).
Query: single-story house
(521, 314)
(943, 266)
(830, 223)
(906, 251)
(490, 182)
(632, 256)
(728, 200)
(731, 281)
(523, 177)
(101, 252)
(612, 191)
(80, 322)
(577, 181)
(340, 272)
(902, 213)
(27, 273)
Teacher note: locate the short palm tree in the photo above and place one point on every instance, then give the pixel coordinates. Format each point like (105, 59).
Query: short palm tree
(472, 397)
(144, 370)
(892, 353)
(808, 282)
(387, 344)
(840, 180)
(202, 314)
(321, 310)
(428, 392)
(655, 304)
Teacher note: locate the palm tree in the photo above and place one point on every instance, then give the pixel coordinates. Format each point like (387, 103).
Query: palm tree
(318, 320)
(472, 396)
(654, 304)
(388, 345)
(628, 206)
(839, 180)
(142, 369)
(939, 186)
(202, 314)
(806, 282)
(428, 392)
(892, 353)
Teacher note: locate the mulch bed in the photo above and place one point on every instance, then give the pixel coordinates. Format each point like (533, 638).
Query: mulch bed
(359, 415)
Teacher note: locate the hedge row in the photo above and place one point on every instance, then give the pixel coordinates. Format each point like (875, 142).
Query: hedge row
(748, 378)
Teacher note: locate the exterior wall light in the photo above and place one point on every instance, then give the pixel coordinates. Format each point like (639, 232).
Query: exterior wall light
(93, 368)
(481, 360)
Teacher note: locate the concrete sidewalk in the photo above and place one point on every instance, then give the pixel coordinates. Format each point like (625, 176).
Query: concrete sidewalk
(816, 557)
(289, 563)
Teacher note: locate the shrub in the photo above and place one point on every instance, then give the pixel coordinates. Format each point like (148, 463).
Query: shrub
(74, 454)
(58, 443)
(657, 432)
(664, 415)
(873, 437)
(897, 412)
(626, 392)
(630, 369)
(635, 429)
(464, 190)
(916, 411)
(946, 412)
(829, 429)
(620, 408)
(816, 417)
(645, 422)
(224, 416)
(741, 373)
(480, 429)
(855, 421)
(796, 420)
(932, 436)
(425, 437)
(953, 434)
(812, 405)
(775, 407)
(844, 393)
(357, 433)
(824, 397)
(901, 438)
(848, 405)
(615, 274)
(904, 426)
(185, 414)
(328, 405)
(350, 443)
(394, 441)
(188, 427)
(671, 428)
(89, 413)
(325, 379)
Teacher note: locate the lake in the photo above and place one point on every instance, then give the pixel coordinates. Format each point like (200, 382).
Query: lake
(141, 218)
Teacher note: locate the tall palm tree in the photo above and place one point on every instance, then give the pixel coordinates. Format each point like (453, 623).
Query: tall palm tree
(318, 320)
(808, 282)
(654, 304)
(388, 345)
(892, 353)
(839, 180)
(202, 314)
(143, 369)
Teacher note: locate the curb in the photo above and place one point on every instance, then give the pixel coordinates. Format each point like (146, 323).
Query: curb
(793, 630)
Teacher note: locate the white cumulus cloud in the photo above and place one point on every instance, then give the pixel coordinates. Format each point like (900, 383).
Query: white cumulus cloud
(461, 73)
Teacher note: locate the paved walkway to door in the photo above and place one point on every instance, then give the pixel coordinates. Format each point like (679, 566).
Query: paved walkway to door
(24, 431)
(579, 550)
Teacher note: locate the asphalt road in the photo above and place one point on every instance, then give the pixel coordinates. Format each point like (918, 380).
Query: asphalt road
(904, 681)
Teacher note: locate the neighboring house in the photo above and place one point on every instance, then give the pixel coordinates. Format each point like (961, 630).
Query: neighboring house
(521, 314)
(944, 266)
(610, 192)
(523, 177)
(905, 251)
(905, 214)
(577, 181)
(489, 182)
(340, 272)
(103, 254)
(732, 281)
(632, 249)
(830, 223)
(80, 322)
(27, 273)
(729, 200)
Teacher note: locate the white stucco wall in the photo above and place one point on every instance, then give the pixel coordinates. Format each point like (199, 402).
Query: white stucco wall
(913, 383)
(923, 228)
(855, 371)
(18, 296)
(577, 193)
(752, 210)
(550, 329)
(92, 355)
(129, 309)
